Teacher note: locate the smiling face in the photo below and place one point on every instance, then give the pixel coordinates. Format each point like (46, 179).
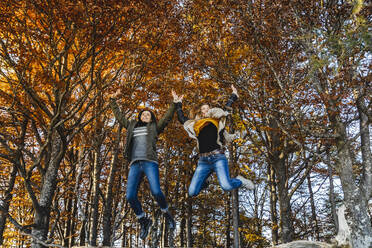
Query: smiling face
(146, 116)
(204, 110)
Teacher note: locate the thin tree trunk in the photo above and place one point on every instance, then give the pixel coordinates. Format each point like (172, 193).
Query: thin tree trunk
(183, 210)
(331, 192)
(163, 226)
(234, 195)
(67, 227)
(314, 223)
(164, 239)
(189, 242)
(130, 240)
(107, 216)
(214, 244)
(235, 211)
(182, 229)
(365, 136)
(287, 230)
(124, 231)
(273, 210)
(97, 166)
(76, 190)
(96, 144)
(5, 203)
(69, 205)
(137, 236)
(82, 233)
(84, 226)
(228, 221)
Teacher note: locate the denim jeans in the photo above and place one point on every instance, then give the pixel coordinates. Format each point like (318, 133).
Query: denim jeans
(136, 172)
(206, 165)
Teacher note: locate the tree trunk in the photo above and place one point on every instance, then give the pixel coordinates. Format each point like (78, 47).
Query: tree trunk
(331, 192)
(277, 158)
(5, 203)
(314, 221)
(287, 230)
(189, 242)
(67, 228)
(286, 225)
(130, 239)
(366, 149)
(76, 189)
(164, 236)
(183, 208)
(182, 229)
(107, 216)
(69, 201)
(42, 212)
(125, 233)
(354, 197)
(273, 210)
(83, 235)
(95, 204)
(235, 211)
(356, 205)
(228, 221)
(164, 233)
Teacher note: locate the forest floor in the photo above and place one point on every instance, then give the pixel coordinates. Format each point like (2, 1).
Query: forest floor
(294, 244)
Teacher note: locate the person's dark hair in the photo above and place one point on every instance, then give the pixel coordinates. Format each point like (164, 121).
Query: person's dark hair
(153, 117)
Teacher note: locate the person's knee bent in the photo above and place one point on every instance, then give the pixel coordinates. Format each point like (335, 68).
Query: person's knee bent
(192, 192)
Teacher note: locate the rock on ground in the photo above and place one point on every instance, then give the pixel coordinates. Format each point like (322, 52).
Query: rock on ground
(305, 244)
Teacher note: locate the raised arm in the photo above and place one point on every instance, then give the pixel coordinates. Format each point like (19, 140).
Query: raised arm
(170, 112)
(167, 117)
(178, 103)
(234, 96)
(118, 114)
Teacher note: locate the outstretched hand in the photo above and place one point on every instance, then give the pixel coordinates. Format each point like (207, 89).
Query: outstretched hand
(234, 90)
(176, 98)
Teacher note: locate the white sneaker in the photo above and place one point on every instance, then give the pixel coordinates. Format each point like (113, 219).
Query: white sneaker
(248, 184)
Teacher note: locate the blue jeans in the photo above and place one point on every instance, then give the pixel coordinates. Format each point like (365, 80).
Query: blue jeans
(207, 165)
(136, 172)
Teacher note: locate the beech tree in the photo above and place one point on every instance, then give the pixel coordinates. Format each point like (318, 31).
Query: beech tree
(339, 74)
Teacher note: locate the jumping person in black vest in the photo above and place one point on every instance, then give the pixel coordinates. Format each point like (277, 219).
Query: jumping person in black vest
(208, 129)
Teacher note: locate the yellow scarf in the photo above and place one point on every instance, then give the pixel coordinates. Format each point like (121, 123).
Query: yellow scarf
(200, 124)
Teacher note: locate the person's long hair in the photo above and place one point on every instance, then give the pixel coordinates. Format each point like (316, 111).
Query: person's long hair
(196, 114)
(141, 123)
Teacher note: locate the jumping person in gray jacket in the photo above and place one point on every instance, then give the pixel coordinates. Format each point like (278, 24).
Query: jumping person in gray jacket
(140, 150)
